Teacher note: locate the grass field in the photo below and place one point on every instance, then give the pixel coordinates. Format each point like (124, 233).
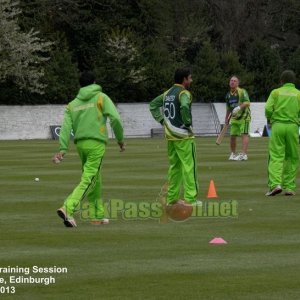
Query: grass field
(143, 259)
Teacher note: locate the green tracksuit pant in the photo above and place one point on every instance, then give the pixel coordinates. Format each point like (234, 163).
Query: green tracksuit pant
(91, 153)
(283, 155)
(182, 170)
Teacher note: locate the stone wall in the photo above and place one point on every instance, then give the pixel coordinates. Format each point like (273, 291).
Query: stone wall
(33, 122)
(29, 122)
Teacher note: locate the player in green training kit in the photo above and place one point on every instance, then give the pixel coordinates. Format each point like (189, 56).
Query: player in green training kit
(282, 111)
(177, 121)
(87, 115)
(238, 105)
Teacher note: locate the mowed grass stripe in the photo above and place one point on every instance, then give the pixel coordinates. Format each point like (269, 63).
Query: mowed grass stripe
(144, 259)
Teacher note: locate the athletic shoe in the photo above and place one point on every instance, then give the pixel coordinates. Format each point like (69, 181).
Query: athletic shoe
(100, 222)
(289, 193)
(237, 157)
(68, 221)
(276, 190)
(241, 156)
(232, 156)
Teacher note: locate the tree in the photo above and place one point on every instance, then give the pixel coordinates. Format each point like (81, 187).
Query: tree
(135, 46)
(22, 54)
(294, 63)
(235, 22)
(119, 64)
(231, 65)
(160, 67)
(208, 76)
(238, 23)
(61, 74)
(265, 62)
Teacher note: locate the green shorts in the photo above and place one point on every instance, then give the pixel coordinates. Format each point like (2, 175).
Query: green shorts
(242, 127)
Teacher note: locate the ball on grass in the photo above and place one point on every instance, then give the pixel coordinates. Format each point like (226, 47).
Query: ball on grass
(180, 210)
(36, 179)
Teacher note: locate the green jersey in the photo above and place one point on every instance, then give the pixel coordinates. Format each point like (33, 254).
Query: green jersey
(234, 99)
(87, 115)
(176, 116)
(283, 105)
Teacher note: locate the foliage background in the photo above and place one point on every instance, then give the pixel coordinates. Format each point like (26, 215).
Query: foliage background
(135, 46)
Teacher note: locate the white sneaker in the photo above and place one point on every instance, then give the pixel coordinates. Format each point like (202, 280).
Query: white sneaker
(232, 156)
(245, 157)
(241, 156)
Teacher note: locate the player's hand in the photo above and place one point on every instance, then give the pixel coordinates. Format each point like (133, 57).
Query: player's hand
(236, 110)
(227, 118)
(58, 157)
(122, 146)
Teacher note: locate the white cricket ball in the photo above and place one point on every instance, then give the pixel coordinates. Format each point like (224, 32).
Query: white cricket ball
(36, 179)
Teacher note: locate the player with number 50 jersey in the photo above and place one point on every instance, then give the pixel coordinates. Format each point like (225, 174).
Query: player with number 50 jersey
(176, 117)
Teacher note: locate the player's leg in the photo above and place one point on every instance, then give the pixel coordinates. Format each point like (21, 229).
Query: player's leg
(276, 156)
(233, 144)
(245, 127)
(245, 141)
(174, 173)
(65, 212)
(291, 165)
(186, 151)
(93, 151)
(234, 132)
(96, 208)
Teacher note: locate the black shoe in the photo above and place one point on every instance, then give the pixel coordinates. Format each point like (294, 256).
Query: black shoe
(276, 190)
(289, 193)
(69, 222)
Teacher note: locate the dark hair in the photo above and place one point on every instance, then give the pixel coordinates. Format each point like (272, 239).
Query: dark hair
(288, 76)
(86, 78)
(180, 74)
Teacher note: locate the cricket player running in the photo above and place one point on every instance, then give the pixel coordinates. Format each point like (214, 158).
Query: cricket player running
(87, 115)
(238, 105)
(282, 111)
(177, 121)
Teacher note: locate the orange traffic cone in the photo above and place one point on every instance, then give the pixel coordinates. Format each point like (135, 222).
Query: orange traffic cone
(212, 190)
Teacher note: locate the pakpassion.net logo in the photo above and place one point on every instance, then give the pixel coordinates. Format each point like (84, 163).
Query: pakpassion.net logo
(116, 209)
